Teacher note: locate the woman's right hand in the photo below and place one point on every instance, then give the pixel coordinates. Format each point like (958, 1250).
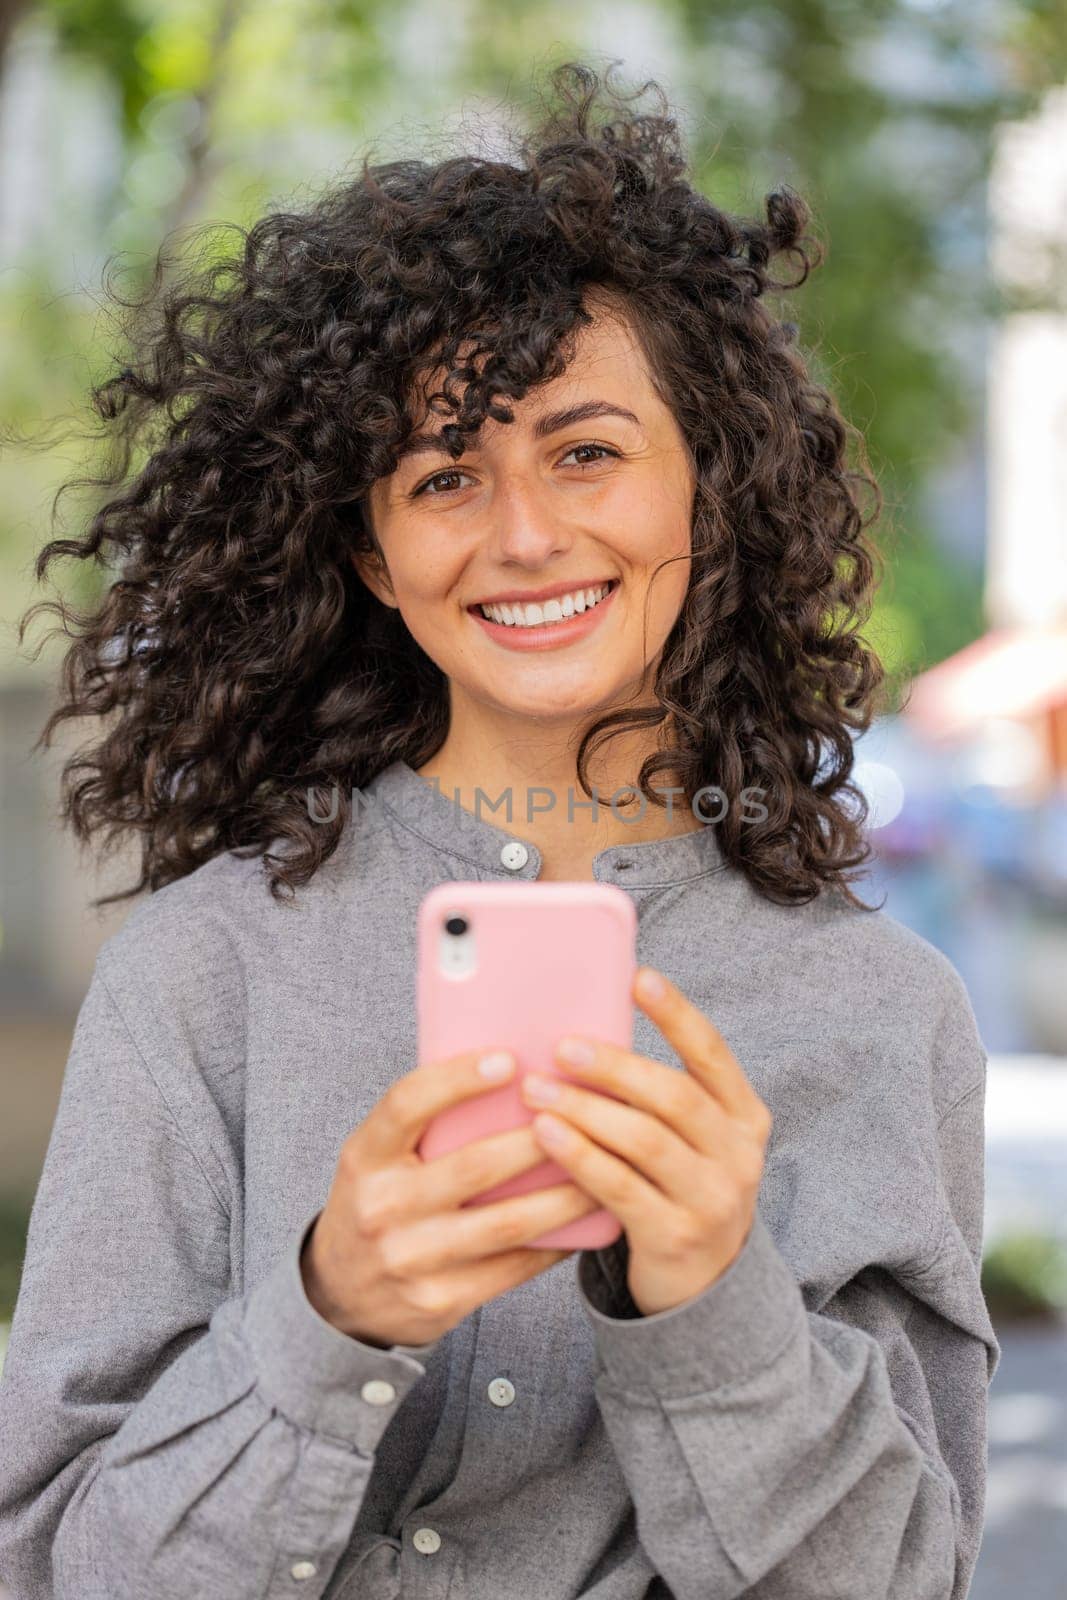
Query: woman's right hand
(392, 1258)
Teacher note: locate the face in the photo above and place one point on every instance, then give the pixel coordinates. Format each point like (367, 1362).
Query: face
(544, 509)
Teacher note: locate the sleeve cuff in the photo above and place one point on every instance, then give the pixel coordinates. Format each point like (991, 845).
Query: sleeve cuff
(735, 1326)
(315, 1375)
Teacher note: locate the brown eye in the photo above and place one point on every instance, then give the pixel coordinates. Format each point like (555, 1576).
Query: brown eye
(451, 472)
(603, 448)
(456, 472)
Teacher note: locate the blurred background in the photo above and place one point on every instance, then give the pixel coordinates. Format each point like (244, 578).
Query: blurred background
(930, 137)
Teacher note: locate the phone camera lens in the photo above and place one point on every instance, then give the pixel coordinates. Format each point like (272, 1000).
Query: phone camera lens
(456, 925)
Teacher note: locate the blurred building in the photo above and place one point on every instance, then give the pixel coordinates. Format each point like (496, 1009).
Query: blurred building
(976, 855)
(1008, 690)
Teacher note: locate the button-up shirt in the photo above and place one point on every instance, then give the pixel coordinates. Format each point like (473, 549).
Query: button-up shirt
(178, 1421)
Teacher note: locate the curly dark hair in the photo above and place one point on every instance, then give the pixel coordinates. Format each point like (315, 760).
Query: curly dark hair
(239, 662)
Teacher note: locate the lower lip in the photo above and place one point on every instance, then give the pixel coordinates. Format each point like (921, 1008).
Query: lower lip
(548, 634)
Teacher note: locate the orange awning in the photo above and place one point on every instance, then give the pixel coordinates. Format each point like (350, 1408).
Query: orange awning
(1010, 672)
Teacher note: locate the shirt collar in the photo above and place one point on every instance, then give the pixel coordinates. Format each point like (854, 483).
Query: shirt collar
(434, 815)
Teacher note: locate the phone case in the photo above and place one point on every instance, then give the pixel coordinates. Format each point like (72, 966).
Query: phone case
(551, 958)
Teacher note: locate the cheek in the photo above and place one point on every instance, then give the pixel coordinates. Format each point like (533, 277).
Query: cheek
(651, 523)
(424, 579)
(661, 561)
(425, 589)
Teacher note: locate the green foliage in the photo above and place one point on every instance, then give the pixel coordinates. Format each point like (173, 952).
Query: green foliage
(1036, 36)
(1024, 1274)
(144, 49)
(108, 31)
(14, 1220)
(928, 607)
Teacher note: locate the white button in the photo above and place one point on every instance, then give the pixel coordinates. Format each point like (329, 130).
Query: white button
(427, 1540)
(377, 1392)
(514, 855)
(302, 1569)
(501, 1392)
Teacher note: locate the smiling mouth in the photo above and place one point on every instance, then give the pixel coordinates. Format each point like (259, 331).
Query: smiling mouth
(515, 614)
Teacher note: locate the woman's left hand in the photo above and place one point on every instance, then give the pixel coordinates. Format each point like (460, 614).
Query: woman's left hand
(678, 1157)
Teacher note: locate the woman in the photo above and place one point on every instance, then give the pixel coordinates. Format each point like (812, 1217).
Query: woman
(260, 1349)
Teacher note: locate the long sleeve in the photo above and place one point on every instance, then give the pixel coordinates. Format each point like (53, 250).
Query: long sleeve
(775, 1451)
(162, 1434)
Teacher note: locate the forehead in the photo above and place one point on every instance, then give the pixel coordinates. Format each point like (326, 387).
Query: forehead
(608, 368)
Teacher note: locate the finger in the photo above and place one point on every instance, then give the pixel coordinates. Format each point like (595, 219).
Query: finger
(701, 1047)
(642, 1208)
(396, 1123)
(445, 1182)
(430, 1243)
(677, 1098)
(649, 1146)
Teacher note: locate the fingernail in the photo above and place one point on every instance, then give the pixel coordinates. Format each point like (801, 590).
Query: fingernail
(496, 1066)
(650, 984)
(543, 1090)
(551, 1130)
(580, 1051)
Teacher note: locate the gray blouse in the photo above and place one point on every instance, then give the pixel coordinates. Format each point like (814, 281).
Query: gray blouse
(178, 1421)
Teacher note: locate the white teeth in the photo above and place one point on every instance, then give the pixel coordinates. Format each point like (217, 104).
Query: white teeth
(556, 610)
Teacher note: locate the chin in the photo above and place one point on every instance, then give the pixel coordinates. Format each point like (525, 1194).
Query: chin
(566, 705)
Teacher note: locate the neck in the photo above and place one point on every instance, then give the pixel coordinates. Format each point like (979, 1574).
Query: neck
(537, 774)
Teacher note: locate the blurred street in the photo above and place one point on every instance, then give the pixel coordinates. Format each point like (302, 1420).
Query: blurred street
(1024, 1548)
(1026, 1135)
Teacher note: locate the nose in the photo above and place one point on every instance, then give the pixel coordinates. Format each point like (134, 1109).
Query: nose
(525, 530)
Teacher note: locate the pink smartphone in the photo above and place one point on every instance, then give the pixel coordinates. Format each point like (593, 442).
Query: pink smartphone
(515, 966)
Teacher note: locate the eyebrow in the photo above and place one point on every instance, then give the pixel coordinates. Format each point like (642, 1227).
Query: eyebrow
(551, 422)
